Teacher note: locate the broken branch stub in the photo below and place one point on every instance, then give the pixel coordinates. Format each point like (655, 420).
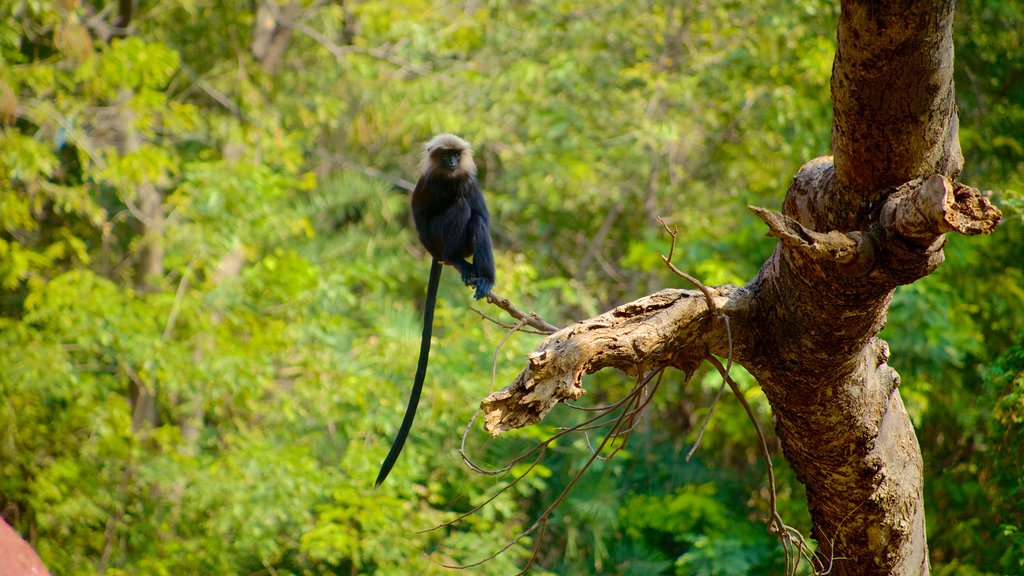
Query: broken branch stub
(922, 211)
(667, 328)
(835, 246)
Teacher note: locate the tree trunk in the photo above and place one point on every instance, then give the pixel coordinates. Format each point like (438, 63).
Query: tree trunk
(146, 205)
(837, 410)
(271, 32)
(854, 228)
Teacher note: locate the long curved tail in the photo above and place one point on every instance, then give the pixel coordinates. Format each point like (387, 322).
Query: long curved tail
(421, 374)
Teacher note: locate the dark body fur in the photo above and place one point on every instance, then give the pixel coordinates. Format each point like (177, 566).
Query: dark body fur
(453, 224)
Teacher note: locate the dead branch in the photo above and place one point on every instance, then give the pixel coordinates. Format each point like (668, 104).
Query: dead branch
(530, 319)
(923, 210)
(836, 246)
(666, 328)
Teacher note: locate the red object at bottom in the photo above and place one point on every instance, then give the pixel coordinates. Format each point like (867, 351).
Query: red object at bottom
(17, 558)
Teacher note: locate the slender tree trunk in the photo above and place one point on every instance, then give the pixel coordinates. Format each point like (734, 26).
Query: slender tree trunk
(147, 208)
(193, 419)
(271, 33)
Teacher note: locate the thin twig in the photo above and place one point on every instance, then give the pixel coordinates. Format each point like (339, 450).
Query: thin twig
(396, 181)
(757, 427)
(492, 497)
(221, 98)
(718, 395)
(504, 325)
(713, 310)
(172, 316)
(497, 349)
(340, 51)
(631, 418)
(532, 319)
(539, 445)
(674, 232)
(707, 420)
(546, 514)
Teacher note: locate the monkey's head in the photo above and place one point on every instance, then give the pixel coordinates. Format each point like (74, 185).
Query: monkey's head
(448, 156)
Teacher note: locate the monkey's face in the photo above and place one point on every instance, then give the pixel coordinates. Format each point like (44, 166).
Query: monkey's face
(450, 159)
(451, 162)
(448, 156)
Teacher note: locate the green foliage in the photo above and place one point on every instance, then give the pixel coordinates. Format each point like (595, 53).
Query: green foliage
(279, 334)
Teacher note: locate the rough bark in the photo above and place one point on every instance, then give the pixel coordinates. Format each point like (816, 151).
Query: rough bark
(853, 228)
(894, 109)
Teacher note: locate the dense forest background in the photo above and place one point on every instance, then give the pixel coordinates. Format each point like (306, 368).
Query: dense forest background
(210, 291)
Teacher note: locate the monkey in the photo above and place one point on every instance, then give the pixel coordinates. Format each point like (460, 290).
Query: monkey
(453, 224)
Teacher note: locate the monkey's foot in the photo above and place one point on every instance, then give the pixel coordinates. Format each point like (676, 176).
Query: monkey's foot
(483, 287)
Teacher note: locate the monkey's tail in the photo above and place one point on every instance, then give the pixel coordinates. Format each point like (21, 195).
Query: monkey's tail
(421, 374)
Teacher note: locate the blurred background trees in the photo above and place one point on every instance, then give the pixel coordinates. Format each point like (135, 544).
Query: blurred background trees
(210, 293)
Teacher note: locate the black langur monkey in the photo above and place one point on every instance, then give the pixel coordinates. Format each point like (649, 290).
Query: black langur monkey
(453, 224)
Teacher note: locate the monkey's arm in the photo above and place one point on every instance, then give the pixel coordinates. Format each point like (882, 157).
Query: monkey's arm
(479, 233)
(483, 257)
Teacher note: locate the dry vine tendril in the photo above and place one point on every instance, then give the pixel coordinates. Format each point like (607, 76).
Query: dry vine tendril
(794, 545)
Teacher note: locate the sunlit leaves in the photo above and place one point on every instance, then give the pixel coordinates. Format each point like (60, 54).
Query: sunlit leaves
(128, 63)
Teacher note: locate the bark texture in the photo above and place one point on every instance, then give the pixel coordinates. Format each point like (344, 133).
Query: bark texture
(853, 228)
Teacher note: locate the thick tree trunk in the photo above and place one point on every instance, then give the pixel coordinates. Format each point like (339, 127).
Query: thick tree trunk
(854, 228)
(837, 409)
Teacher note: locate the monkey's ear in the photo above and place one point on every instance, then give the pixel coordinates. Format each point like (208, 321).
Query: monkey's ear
(427, 160)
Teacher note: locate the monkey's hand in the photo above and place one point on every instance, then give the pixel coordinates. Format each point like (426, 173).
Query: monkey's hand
(483, 287)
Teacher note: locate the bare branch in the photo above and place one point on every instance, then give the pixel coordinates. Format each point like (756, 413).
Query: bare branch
(667, 328)
(622, 426)
(339, 52)
(530, 319)
(674, 233)
(497, 322)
